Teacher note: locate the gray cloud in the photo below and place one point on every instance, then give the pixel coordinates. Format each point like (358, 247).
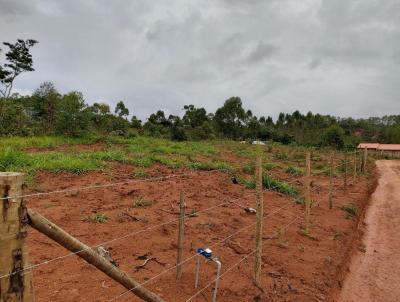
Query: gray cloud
(339, 57)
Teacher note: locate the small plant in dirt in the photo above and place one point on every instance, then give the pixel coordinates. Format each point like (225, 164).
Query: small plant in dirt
(140, 174)
(351, 210)
(142, 203)
(248, 169)
(270, 166)
(294, 171)
(193, 213)
(306, 233)
(281, 156)
(96, 218)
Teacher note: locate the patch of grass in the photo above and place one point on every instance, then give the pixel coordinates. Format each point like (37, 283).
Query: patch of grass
(169, 162)
(270, 183)
(351, 209)
(20, 143)
(142, 203)
(96, 218)
(248, 169)
(270, 166)
(13, 160)
(294, 171)
(212, 165)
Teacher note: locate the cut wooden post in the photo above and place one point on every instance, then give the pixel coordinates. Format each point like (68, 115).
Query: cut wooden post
(307, 195)
(355, 166)
(331, 181)
(259, 224)
(345, 173)
(60, 236)
(181, 233)
(364, 162)
(17, 284)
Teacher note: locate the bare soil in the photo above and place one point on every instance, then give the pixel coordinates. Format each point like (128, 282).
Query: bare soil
(375, 269)
(295, 267)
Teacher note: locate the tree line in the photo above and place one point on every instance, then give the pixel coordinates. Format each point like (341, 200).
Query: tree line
(47, 112)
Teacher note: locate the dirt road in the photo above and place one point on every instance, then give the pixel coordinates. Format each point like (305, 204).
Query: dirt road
(375, 274)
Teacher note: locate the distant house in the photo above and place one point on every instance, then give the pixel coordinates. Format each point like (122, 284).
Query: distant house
(392, 150)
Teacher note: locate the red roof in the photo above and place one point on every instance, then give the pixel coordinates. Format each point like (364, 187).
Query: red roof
(376, 146)
(389, 147)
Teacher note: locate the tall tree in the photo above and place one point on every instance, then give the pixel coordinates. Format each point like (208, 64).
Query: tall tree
(121, 110)
(45, 101)
(18, 60)
(231, 118)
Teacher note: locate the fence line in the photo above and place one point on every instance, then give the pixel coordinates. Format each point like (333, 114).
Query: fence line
(118, 238)
(233, 266)
(191, 257)
(108, 185)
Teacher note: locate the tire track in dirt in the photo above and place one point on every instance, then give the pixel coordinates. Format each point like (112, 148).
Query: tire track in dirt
(375, 274)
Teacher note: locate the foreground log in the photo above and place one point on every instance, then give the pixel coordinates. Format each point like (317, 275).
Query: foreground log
(54, 232)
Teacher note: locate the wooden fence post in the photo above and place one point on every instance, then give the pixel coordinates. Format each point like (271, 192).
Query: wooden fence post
(181, 233)
(13, 251)
(331, 181)
(307, 197)
(259, 225)
(345, 172)
(355, 166)
(364, 162)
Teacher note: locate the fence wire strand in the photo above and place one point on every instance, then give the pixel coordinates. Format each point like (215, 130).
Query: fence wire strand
(232, 267)
(191, 257)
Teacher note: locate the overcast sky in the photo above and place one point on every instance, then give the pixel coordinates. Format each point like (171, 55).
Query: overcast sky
(339, 57)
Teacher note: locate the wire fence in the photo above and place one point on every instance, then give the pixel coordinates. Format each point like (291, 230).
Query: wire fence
(234, 201)
(193, 256)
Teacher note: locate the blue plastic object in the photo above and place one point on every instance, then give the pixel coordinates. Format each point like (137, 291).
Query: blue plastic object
(207, 253)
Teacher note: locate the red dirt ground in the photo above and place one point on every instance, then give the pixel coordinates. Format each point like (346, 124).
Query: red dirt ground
(295, 267)
(375, 269)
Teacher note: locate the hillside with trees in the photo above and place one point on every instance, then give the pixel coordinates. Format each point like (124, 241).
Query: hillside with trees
(48, 112)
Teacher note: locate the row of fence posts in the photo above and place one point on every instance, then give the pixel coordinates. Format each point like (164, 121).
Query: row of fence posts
(13, 230)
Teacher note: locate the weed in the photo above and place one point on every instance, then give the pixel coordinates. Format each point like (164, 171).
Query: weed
(351, 209)
(193, 213)
(248, 169)
(307, 234)
(294, 171)
(96, 218)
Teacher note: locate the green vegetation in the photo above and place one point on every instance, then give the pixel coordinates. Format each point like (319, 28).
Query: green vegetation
(294, 171)
(271, 183)
(96, 218)
(47, 112)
